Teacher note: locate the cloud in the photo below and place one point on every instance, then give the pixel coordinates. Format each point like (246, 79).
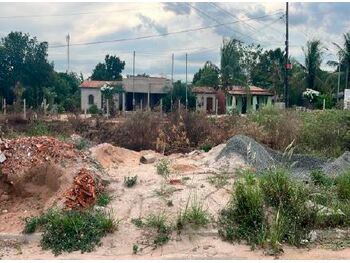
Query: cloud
(152, 24)
(177, 8)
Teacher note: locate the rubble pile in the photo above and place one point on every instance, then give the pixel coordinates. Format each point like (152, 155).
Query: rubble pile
(23, 153)
(83, 192)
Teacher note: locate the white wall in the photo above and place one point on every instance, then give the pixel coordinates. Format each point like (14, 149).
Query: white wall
(85, 92)
(347, 99)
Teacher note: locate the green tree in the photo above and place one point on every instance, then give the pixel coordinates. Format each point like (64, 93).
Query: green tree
(110, 70)
(207, 76)
(179, 93)
(344, 54)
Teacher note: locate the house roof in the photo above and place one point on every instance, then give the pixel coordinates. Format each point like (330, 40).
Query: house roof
(239, 90)
(209, 90)
(97, 84)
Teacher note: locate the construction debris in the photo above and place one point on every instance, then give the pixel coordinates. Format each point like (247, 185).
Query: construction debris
(83, 193)
(25, 152)
(148, 158)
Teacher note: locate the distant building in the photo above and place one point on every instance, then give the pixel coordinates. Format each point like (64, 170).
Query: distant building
(347, 99)
(205, 99)
(147, 91)
(243, 100)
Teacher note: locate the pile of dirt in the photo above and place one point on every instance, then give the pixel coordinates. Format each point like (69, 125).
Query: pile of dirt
(24, 153)
(83, 192)
(111, 156)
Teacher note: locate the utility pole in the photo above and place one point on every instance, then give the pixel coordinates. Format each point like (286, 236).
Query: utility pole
(287, 65)
(68, 40)
(172, 81)
(186, 83)
(133, 82)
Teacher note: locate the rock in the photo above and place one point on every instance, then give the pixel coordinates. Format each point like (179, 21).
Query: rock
(323, 210)
(148, 158)
(4, 211)
(2, 157)
(313, 236)
(4, 197)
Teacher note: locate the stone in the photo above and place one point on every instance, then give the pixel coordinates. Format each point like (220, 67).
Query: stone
(2, 157)
(4, 211)
(4, 197)
(313, 236)
(148, 158)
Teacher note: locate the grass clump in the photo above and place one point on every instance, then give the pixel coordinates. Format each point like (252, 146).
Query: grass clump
(137, 222)
(68, 231)
(319, 178)
(81, 144)
(38, 128)
(130, 181)
(160, 224)
(163, 168)
(103, 199)
(343, 186)
(194, 215)
(219, 180)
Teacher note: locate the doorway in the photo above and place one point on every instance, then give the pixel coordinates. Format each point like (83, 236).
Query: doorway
(209, 105)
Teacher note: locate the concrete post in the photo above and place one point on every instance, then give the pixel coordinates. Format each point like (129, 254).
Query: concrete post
(141, 104)
(161, 107)
(324, 104)
(4, 106)
(107, 106)
(44, 106)
(179, 106)
(216, 106)
(148, 98)
(123, 102)
(24, 109)
(85, 113)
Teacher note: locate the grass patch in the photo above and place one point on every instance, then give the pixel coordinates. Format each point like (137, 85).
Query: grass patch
(194, 215)
(162, 227)
(103, 199)
(343, 186)
(68, 231)
(163, 168)
(81, 144)
(319, 178)
(38, 128)
(219, 180)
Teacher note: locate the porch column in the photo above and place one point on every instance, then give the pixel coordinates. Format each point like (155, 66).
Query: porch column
(123, 102)
(233, 102)
(255, 101)
(269, 100)
(148, 98)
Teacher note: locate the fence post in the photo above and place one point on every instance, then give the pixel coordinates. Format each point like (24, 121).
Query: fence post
(161, 107)
(44, 106)
(4, 106)
(24, 109)
(179, 106)
(107, 106)
(141, 105)
(216, 106)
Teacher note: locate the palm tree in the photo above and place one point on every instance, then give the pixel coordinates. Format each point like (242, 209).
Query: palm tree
(313, 59)
(344, 55)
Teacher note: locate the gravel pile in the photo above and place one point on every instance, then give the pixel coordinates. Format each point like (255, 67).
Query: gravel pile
(263, 158)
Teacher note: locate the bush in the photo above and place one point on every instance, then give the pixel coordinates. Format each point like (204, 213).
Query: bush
(163, 229)
(319, 178)
(343, 186)
(38, 128)
(93, 109)
(103, 199)
(68, 231)
(163, 168)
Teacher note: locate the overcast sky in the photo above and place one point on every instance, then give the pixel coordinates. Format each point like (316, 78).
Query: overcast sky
(261, 23)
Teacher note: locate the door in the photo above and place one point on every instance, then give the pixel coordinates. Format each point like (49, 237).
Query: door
(210, 105)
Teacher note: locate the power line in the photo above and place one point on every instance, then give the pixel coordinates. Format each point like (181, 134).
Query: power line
(159, 35)
(71, 14)
(214, 19)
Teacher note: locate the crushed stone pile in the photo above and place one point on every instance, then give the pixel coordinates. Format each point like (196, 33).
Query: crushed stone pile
(83, 192)
(23, 153)
(242, 148)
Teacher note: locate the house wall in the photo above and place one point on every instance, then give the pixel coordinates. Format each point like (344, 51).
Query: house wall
(235, 103)
(347, 99)
(85, 92)
(201, 102)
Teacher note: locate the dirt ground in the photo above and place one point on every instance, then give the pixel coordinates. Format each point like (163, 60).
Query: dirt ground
(190, 176)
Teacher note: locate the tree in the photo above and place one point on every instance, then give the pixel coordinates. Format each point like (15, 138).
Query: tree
(313, 59)
(110, 70)
(179, 93)
(344, 55)
(231, 57)
(23, 59)
(207, 76)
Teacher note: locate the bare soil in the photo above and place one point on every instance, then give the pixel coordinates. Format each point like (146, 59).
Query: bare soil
(152, 194)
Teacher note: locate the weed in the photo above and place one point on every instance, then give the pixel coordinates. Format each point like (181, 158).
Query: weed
(219, 180)
(103, 199)
(33, 223)
(194, 214)
(130, 181)
(206, 147)
(81, 144)
(319, 178)
(163, 168)
(75, 230)
(165, 190)
(137, 222)
(343, 186)
(163, 229)
(38, 128)
(135, 249)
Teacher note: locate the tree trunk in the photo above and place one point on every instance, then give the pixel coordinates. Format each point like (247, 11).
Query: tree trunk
(347, 76)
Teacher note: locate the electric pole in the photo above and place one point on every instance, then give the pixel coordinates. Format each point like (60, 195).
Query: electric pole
(186, 82)
(172, 81)
(68, 40)
(287, 65)
(133, 82)
(338, 79)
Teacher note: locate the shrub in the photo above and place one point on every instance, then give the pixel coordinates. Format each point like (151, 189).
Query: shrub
(68, 231)
(130, 181)
(343, 186)
(319, 178)
(93, 109)
(81, 144)
(163, 168)
(38, 128)
(206, 147)
(103, 199)
(163, 229)
(194, 215)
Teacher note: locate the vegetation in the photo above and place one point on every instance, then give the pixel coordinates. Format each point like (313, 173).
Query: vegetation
(103, 199)
(130, 181)
(160, 224)
(163, 168)
(67, 231)
(110, 70)
(273, 209)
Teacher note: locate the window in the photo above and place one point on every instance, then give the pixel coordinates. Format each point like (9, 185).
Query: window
(91, 99)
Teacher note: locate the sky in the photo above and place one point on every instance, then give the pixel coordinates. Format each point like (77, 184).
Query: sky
(190, 28)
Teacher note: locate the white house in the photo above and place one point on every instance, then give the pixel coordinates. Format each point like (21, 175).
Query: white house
(146, 91)
(347, 99)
